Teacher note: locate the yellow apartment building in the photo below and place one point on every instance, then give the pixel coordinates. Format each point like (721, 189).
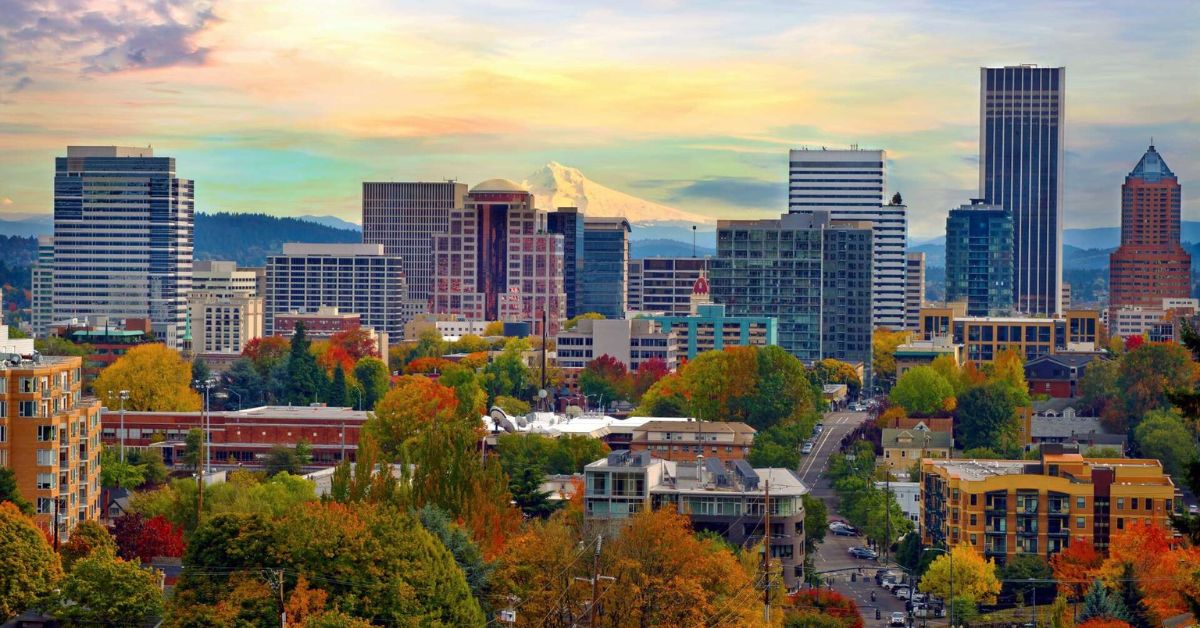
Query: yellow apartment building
(985, 337)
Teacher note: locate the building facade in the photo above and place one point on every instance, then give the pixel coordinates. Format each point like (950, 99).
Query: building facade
(404, 217)
(1058, 375)
(850, 185)
(914, 289)
(123, 232)
(664, 284)
(355, 278)
(629, 341)
(108, 340)
(1021, 163)
(605, 287)
(729, 501)
(41, 302)
(497, 262)
(979, 258)
(983, 338)
(218, 278)
(685, 440)
(568, 222)
(222, 326)
(1150, 266)
(810, 273)
(710, 329)
(1005, 508)
(323, 323)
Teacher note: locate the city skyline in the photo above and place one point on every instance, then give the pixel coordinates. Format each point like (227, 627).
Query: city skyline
(649, 101)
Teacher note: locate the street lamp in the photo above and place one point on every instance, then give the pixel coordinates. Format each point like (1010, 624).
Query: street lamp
(124, 395)
(949, 553)
(207, 385)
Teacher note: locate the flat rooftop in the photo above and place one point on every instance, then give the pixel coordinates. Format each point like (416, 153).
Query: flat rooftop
(268, 412)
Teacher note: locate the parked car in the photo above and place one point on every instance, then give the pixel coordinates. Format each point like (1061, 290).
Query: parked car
(862, 552)
(884, 574)
(807, 448)
(897, 619)
(841, 529)
(890, 584)
(819, 427)
(924, 611)
(918, 598)
(902, 593)
(1194, 510)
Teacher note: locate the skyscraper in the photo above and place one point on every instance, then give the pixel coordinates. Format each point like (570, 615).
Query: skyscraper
(914, 289)
(497, 262)
(664, 284)
(1021, 125)
(42, 301)
(123, 226)
(568, 222)
(810, 273)
(1150, 264)
(850, 185)
(979, 258)
(605, 266)
(404, 217)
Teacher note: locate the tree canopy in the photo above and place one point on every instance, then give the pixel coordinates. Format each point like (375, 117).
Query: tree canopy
(974, 578)
(922, 391)
(29, 569)
(157, 378)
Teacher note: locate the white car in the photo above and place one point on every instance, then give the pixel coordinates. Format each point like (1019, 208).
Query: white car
(902, 593)
(897, 619)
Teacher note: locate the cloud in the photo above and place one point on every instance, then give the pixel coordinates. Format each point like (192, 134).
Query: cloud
(739, 191)
(22, 83)
(6, 201)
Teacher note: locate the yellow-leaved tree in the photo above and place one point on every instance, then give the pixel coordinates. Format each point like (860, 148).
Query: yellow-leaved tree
(974, 578)
(157, 378)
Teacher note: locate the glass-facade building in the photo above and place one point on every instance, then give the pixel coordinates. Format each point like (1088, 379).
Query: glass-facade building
(979, 258)
(568, 222)
(1021, 170)
(605, 267)
(123, 237)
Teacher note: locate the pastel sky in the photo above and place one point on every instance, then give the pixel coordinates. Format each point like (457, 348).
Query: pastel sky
(285, 107)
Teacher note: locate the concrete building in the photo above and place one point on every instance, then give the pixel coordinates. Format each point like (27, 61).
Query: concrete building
(711, 329)
(41, 302)
(223, 325)
(810, 273)
(914, 289)
(49, 435)
(123, 227)
(224, 279)
(605, 287)
(404, 217)
(497, 261)
(924, 352)
(902, 448)
(979, 258)
(985, 337)
(684, 441)
(630, 341)
(1022, 120)
(728, 501)
(326, 322)
(1157, 324)
(664, 284)
(355, 278)
(850, 185)
(1003, 508)
(568, 222)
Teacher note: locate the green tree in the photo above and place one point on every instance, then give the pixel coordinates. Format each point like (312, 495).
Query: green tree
(291, 460)
(1098, 386)
(1134, 601)
(1098, 603)
(1163, 435)
(986, 416)
(1146, 378)
(815, 515)
(57, 345)
(154, 470)
(193, 448)
(29, 569)
(921, 391)
(574, 321)
(105, 590)
(87, 537)
(507, 374)
(1030, 567)
(10, 493)
(200, 370)
(511, 405)
(476, 570)
(525, 484)
(372, 374)
(115, 473)
(305, 379)
(248, 384)
(778, 446)
(337, 396)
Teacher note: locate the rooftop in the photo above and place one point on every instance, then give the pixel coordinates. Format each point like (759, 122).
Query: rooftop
(1069, 359)
(1151, 167)
(924, 438)
(312, 413)
(498, 185)
(1064, 427)
(726, 427)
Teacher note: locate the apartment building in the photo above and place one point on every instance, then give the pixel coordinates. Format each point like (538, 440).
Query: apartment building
(711, 329)
(1003, 508)
(629, 341)
(664, 284)
(984, 337)
(684, 441)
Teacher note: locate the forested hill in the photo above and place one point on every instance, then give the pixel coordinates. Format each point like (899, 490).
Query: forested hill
(249, 238)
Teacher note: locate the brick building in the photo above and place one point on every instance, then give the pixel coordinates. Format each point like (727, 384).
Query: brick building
(674, 440)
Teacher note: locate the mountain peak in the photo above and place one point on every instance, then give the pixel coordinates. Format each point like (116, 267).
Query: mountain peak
(557, 185)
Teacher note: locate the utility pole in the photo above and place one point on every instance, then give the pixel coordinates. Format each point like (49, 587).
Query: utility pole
(767, 553)
(282, 607)
(594, 605)
(124, 394)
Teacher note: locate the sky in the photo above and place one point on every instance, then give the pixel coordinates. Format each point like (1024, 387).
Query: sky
(286, 107)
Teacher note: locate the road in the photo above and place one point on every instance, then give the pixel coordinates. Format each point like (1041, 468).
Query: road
(832, 554)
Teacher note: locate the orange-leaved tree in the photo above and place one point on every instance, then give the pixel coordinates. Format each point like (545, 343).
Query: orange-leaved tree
(1075, 567)
(1162, 570)
(356, 342)
(413, 403)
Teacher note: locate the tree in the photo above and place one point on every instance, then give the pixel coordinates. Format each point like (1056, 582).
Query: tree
(29, 569)
(665, 398)
(647, 374)
(1139, 614)
(493, 328)
(115, 473)
(884, 343)
(266, 352)
(1030, 567)
(974, 578)
(511, 405)
(408, 407)
(356, 342)
(372, 374)
(194, 450)
(986, 416)
(921, 391)
(86, 538)
(507, 374)
(337, 396)
(139, 538)
(606, 379)
(200, 370)
(1009, 368)
(57, 345)
(1074, 566)
(105, 590)
(284, 459)
(477, 571)
(1162, 572)
(305, 379)
(1162, 434)
(813, 608)
(815, 515)
(573, 322)
(469, 343)
(1146, 377)
(149, 461)
(1098, 386)
(779, 446)
(10, 493)
(831, 371)
(156, 377)
(525, 484)
(244, 380)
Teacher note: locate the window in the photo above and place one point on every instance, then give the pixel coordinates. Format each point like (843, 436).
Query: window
(1079, 523)
(1120, 523)
(45, 481)
(3, 434)
(1120, 503)
(27, 409)
(1081, 502)
(45, 505)
(1133, 503)
(972, 499)
(45, 457)
(45, 433)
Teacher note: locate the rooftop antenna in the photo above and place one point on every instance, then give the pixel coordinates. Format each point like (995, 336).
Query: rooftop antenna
(694, 235)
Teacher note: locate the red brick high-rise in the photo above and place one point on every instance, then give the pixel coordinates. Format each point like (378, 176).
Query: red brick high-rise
(1150, 264)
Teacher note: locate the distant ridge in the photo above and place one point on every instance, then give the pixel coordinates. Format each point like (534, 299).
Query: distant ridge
(249, 239)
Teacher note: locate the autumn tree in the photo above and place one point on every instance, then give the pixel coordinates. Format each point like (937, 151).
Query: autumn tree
(1144, 552)
(974, 578)
(884, 343)
(668, 397)
(408, 407)
(646, 375)
(87, 537)
(1074, 567)
(373, 376)
(102, 589)
(921, 391)
(831, 371)
(467, 554)
(1008, 368)
(356, 342)
(606, 379)
(573, 322)
(511, 405)
(427, 366)
(266, 352)
(29, 569)
(139, 538)
(1146, 377)
(156, 377)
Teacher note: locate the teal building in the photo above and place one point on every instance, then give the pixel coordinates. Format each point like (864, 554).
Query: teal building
(710, 328)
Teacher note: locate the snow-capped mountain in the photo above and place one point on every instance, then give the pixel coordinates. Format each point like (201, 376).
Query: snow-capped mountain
(556, 185)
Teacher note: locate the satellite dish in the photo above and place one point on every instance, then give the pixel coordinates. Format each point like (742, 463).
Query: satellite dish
(542, 393)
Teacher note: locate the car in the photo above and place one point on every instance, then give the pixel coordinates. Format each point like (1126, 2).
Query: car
(883, 574)
(1194, 510)
(842, 529)
(807, 448)
(890, 584)
(918, 598)
(924, 611)
(819, 427)
(897, 619)
(902, 593)
(863, 553)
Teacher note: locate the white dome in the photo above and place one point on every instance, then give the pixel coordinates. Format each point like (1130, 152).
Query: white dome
(498, 185)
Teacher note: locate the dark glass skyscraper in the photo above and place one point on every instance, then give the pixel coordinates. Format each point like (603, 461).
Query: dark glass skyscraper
(605, 281)
(568, 222)
(979, 258)
(1021, 169)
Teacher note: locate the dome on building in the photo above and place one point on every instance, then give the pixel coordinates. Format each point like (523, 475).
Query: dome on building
(498, 185)
(701, 285)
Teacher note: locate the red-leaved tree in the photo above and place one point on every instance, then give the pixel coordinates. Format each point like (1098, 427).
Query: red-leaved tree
(142, 539)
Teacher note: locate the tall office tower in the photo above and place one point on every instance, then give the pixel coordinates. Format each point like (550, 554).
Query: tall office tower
(404, 217)
(605, 266)
(664, 284)
(225, 308)
(356, 278)
(1150, 265)
(42, 301)
(1021, 125)
(914, 289)
(568, 222)
(810, 273)
(497, 262)
(850, 185)
(979, 258)
(122, 238)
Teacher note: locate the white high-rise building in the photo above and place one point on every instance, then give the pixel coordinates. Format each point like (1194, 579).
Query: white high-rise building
(42, 303)
(226, 309)
(851, 185)
(123, 225)
(914, 291)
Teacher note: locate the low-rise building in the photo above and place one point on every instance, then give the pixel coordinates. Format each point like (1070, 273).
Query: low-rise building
(907, 496)
(1058, 375)
(223, 325)
(730, 501)
(1004, 508)
(924, 352)
(709, 329)
(674, 440)
(1058, 421)
(1158, 324)
(629, 341)
(985, 337)
(904, 447)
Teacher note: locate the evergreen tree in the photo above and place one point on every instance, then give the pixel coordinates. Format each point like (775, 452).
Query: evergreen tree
(1098, 603)
(465, 551)
(526, 487)
(305, 380)
(244, 380)
(10, 493)
(1140, 615)
(200, 370)
(336, 397)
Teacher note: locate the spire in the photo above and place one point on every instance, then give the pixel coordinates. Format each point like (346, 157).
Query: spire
(1151, 167)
